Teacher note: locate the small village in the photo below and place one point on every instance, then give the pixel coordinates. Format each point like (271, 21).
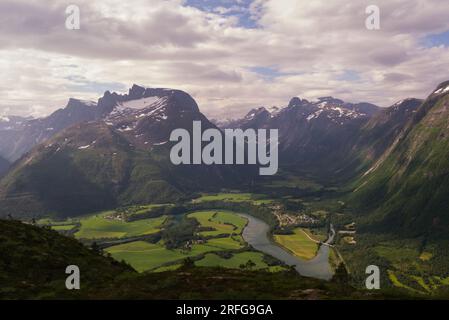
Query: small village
(287, 219)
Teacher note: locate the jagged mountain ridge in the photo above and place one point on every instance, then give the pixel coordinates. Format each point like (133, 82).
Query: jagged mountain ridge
(19, 135)
(315, 137)
(120, 159)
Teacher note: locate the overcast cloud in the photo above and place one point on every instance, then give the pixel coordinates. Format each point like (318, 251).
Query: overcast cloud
(230, 55)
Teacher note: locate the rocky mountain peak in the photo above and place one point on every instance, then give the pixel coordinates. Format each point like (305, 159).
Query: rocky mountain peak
(407, 104)
(136, 91)
(331, 100)
(296, 101)
(256, 112)
(76, 103)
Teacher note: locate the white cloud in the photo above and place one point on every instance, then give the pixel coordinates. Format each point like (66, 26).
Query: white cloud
(163, 43)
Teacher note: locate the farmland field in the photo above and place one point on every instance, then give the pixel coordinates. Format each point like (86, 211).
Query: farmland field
(218, 231)
(234, 197)
(224, 222)
(298, 243)
(144, 256)
(63, 227)
(98, 226)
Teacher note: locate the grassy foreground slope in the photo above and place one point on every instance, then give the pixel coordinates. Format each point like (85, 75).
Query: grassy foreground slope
(33, 261)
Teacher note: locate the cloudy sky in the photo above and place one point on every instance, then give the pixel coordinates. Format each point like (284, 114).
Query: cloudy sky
(229, 55)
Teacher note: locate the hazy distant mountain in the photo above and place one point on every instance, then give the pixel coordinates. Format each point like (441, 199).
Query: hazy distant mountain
(256, 118)
(315, 137)
(18, 135)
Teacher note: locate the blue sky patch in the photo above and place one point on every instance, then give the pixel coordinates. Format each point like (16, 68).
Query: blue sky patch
(268, 73)
(348, 75)
(436, 40)
(227, 8)
(84, 85)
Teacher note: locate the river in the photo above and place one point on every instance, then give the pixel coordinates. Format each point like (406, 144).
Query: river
(256, 233)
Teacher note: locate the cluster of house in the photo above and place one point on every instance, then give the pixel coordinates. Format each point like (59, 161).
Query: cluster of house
(116, 216)
(286, 219)
(189, 244)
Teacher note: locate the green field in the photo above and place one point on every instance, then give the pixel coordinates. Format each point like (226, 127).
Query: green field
(223, 222)
(144, 256)
(63, 227)
(234, 197)
(298, 243)
(98, 227)
(228, 243)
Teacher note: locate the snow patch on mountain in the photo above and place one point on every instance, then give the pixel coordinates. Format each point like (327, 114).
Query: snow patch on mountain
(139, 103)
(156, 108)
(442, 90)
(314, 115)
(87, 146)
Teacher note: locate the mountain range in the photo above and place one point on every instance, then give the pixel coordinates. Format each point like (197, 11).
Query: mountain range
(315, 137)
(89, 156)
(116, 154)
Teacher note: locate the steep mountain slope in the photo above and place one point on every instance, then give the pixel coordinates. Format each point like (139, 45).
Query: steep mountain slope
(407, 188)
(383, 128)
(4, 165)
(19, 135)
(376, 136)
(118, 160)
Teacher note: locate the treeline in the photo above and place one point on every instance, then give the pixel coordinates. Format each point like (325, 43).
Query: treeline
(262, 211)
(177, 233)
